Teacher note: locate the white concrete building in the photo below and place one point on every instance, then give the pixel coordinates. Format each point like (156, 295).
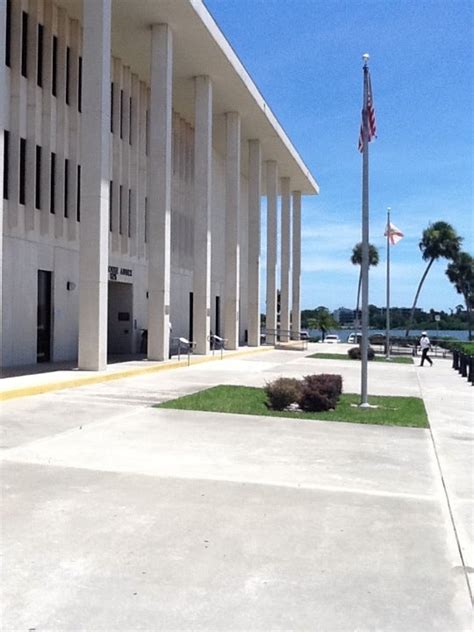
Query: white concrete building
(134, 153)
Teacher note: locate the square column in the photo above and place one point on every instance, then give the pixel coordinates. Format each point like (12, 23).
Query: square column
(255, 194)
(3, 125)
(296, 267)
(94, 228)
(232, 225)
(202, 213)
(285, 260)
(272, 193)
(159, 192)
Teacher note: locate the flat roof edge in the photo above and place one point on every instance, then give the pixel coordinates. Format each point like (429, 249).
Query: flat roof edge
(218, 36)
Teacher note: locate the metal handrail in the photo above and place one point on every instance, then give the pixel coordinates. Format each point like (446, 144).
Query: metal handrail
(221, 342)
(188, 346)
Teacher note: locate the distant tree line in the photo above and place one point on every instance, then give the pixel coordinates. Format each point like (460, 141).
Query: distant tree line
(457, 319)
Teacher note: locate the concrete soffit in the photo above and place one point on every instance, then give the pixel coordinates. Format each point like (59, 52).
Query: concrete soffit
(200, 48)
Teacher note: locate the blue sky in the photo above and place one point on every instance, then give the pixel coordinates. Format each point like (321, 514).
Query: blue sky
(305, 57)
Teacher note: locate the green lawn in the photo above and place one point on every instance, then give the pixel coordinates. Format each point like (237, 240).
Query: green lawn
(245, 400)
(378, 358)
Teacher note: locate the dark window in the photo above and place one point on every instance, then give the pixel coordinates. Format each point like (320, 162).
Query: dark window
(52, 208)
(6, 162)
(68, 67)
(147, 131)
(120, 208)
(39, 68)
(146, 220)
(38, 178)
(130, 123)
(129, 211)
(112, 107)
(121, 113)
(66, 187)
(24, 44)
(79, 88)
(218, 316)
(55, 64)
(8, 32)
(22, 169)
(111, 201)
(78, 201)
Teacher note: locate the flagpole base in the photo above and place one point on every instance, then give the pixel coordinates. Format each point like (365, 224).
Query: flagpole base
(364, 406)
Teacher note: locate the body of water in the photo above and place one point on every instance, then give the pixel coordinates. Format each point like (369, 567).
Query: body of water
(432, 333)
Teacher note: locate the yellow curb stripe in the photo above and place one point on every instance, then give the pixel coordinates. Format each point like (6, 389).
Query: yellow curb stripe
(38, 389)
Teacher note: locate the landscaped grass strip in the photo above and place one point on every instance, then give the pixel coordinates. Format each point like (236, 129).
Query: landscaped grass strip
(246, 400)
(341, 356)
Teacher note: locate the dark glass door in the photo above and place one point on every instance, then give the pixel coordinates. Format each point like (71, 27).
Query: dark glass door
(43, 344)
(218, 316)
(191, 315)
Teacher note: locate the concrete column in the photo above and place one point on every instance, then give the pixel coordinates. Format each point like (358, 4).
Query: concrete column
(31, 101)
(296, 268)
(134, 167)
(159, 192)
(232, 243)
(46, 118)
(3, 125)
(117, 155)
(15, 113)
(73, 132)
(202, 213)
(285, 260)
(61, 125)
(142, 169)
(126, 207)
(255, 194)
(272, 195)
(94, 227)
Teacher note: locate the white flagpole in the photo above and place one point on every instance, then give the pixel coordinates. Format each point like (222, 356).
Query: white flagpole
(387, 336)
(365, 241)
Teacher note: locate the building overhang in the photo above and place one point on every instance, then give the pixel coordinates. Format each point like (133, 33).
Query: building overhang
(200, 48)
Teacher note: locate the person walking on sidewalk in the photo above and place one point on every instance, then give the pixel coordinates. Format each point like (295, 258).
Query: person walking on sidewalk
(425, 346)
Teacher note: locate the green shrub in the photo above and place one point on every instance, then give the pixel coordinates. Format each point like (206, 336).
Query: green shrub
(355, 354)
(282, 392)
(320, 392)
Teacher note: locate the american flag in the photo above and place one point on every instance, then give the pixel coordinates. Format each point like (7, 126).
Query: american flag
(393, 233)
(372, 126)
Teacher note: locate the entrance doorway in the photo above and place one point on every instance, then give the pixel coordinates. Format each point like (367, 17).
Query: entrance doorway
(120, 318)
(43, 319)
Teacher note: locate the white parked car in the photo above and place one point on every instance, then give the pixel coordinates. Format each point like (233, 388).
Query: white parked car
(332, 339)
(354, 338)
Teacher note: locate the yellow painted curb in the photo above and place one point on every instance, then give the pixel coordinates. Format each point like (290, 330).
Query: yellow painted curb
(119, 375)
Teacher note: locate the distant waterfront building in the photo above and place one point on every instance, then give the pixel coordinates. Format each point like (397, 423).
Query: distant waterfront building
(344, 316)
(134, 152)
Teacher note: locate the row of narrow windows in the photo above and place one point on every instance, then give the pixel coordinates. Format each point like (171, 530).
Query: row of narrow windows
(54, 75)
(40, 56)
(125, 196)
(39, 163)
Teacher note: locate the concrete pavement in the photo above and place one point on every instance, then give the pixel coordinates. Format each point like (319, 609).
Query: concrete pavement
(118, 516)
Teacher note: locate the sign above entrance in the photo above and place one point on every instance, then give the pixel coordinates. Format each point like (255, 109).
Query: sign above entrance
(115, 272)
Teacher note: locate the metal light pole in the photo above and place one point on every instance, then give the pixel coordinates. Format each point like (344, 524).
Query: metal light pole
(387, 335)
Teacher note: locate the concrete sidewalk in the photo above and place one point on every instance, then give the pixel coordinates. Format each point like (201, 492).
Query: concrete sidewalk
(62, 375)
(119, 516)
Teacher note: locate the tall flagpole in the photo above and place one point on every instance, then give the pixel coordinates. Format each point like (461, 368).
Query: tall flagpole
(387, 335)
(365, 241)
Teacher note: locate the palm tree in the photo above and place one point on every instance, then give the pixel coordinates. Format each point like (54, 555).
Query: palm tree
(356, 259)
(461, 274)
(322, 320)
(439, 240)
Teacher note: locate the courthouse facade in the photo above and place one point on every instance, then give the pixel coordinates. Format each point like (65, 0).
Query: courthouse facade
(134, 154)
